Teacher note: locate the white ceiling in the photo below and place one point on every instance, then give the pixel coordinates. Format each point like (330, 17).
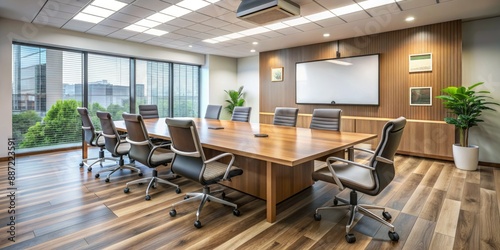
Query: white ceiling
(220, 19)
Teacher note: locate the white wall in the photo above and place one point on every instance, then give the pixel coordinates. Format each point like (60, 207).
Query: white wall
(248, 76)
(11, 30)
(480, 63)
(222, 76)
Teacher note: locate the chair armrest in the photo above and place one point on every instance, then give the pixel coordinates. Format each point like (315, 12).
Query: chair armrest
(365, 150)
(228, 166)
(333, 158)
(384, 160)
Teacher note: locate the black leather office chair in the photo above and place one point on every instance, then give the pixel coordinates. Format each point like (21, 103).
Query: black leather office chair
(213, 111)
(147, 153)
(241, 114)
(285, 116)
(148, 111)
(115, 144)
(190, 162)
(369, 179)
(326, 119)
(93, 138)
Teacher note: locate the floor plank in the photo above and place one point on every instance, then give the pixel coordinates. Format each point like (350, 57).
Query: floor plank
(61, 206)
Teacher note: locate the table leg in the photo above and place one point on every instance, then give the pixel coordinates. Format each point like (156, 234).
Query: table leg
(350, 153)
(271, 193)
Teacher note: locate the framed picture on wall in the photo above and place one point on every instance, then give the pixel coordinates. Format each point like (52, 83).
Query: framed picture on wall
(421, 62)
(421, 96)
(277, 74)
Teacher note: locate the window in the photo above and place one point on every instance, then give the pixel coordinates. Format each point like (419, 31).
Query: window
(153, 85)
(108, 85)
(186, 87)
(46, 90)
(48, 86)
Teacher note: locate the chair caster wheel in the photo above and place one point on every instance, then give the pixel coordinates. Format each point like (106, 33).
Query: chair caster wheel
(223, 195)
(126, 190)
(350, 238)
(317, 217)
(186, 197)
(197, 224)
(148, 197)
(107, 180)
(172, 213)
(97, 175)
(140, 174)
(335, 202)
(89, 169)
(81, 164)
(178, 190)
(393, 236)
(387, 215)
(236, 212)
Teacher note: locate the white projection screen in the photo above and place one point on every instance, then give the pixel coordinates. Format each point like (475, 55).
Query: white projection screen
(348, 81)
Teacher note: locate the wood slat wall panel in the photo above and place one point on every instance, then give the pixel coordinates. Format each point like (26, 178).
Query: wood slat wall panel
(442, 40)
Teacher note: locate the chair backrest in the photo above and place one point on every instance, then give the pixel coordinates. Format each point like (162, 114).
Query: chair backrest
(213, 111)
(88, 128)
(285, 116)
(387, 147)
(326, 119)
(189, 158)
(111, 135)
(138, 137)
(148, 111)
(241, 114)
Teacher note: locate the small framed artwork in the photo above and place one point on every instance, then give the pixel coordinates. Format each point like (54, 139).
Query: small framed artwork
(421, 96)
(277, 74)
(421, 62)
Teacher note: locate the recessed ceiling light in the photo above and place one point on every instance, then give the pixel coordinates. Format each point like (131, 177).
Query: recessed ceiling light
(148, 23)
(346, 9)
(326, 35)
(276, 26)
(193, 4)
(253, 51)
(409, 19)
(159, 17)
(109, 4)
(210, 41)
(97, 11)
(175, 10)
(190, 46)
(254, 31)
(296, 21)
(234, 35)
(155, 32)
(136, 28)
(255, 43)
(320, 16)
(88, 18)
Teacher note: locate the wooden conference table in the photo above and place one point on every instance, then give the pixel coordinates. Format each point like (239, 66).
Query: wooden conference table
(274, 167)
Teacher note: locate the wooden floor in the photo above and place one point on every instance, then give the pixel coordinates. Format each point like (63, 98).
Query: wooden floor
(61, 206)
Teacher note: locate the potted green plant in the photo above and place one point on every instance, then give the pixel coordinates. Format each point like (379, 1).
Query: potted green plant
(467, 106)
(235, 99)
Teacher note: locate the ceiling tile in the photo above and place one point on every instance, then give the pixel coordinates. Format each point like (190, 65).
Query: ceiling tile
(411, 4)
(179, 22)
(58, 14)
(231, 5)
(308, 26)
(78, 3)
(142, 37)
(134, 10)
(201, 27)
(354, 16)
(50, 21)
(214, 10)
(54, 7)
(288, 31)
(233, 28)
(216, 23)
(174, 36)
(272, 34)
(122, 34)
(330, 22)
(102, 30)
(78, 25)
(202, 36)
(124, 18)
(311, 8)
(384, 10)
(196, 17)
(186, 32)
(167, 27)
(172, 1)
(229, 17)
(114, 23)
(153, 5)
(329, 4)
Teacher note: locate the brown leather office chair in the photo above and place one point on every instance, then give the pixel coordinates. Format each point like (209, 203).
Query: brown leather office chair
(93, 138)
(285, 116)
(143, 150)
(369, 179)
(190, 162)
(213, 111)
(326, 119)
(241, 114)
(115, 144)
(148, 111)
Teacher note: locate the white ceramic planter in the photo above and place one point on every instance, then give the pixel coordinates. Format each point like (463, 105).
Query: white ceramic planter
(466, 158)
